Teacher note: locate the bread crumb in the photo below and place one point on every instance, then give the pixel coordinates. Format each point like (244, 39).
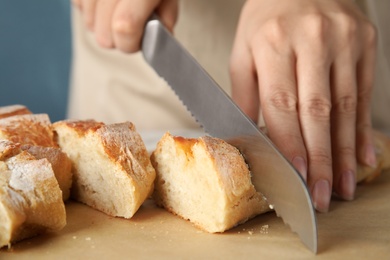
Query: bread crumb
(74, 237)
(88, 238)
(250, 232)
(264, 229)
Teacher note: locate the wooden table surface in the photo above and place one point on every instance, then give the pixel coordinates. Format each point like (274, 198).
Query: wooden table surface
(351, 230)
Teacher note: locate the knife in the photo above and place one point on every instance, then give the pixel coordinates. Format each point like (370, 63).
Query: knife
(272, 174)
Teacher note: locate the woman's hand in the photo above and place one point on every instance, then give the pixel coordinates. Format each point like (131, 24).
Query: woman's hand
(120, 23)
(309, 65)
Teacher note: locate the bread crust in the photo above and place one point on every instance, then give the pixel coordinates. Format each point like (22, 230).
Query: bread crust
(61, 164)
(30, 199)
(33, 129)
(367, 174)
(13, 110)
(234, 199)
(112, 169)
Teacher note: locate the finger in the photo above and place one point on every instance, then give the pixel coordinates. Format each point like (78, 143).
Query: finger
(244, 81)
(313, 68)
(344, 105)
(129, 21)
(89, 8)
(278, 98)
(365, 81)
(102, 22)
(77, 3)
(168, 12)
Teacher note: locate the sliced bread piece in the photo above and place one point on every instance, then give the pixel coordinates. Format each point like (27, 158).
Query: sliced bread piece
(112, 169)
(206, 181)
(61, 164)
(30, 199)
(34, 129)
(13, 110)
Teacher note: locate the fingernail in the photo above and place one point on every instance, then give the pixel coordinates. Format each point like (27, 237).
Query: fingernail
(300, 164)
(321, 195)
(347, 185)
(371, 156)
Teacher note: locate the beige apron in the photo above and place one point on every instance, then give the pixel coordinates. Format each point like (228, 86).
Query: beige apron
(112, 87)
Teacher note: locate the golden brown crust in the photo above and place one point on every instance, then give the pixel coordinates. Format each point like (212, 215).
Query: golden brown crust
(206, 181)
(13, 110)
(382, 146)
(80, 126)
(30, 199)
(112, 169)
(34, 129)
(121, 142)
(8, 149)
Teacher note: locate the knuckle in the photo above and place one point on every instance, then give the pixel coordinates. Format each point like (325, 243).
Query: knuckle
(273, 31)
(317, 107)
(320, 157)
(364, 95)
(126, 26)
(363, 127)
(346, 105)
(348, 25)
(346, 151)
(370, 35)
(283, 100)
(317, 26)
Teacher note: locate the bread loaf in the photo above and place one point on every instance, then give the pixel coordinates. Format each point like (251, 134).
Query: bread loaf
(206, 181)
(30, 198)
(33, 129)
(61, 164)
(382, 147)
(13, 110)
(112, 169)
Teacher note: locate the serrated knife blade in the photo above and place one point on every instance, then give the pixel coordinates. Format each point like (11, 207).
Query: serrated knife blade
(272, 174)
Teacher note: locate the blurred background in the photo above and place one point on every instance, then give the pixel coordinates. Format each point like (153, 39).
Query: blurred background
(35, 55)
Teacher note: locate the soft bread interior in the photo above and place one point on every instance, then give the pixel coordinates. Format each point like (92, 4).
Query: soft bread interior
(205, 181)
(109, 170)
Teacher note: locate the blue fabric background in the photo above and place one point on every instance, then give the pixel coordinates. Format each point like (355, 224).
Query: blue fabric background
(35, 55)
